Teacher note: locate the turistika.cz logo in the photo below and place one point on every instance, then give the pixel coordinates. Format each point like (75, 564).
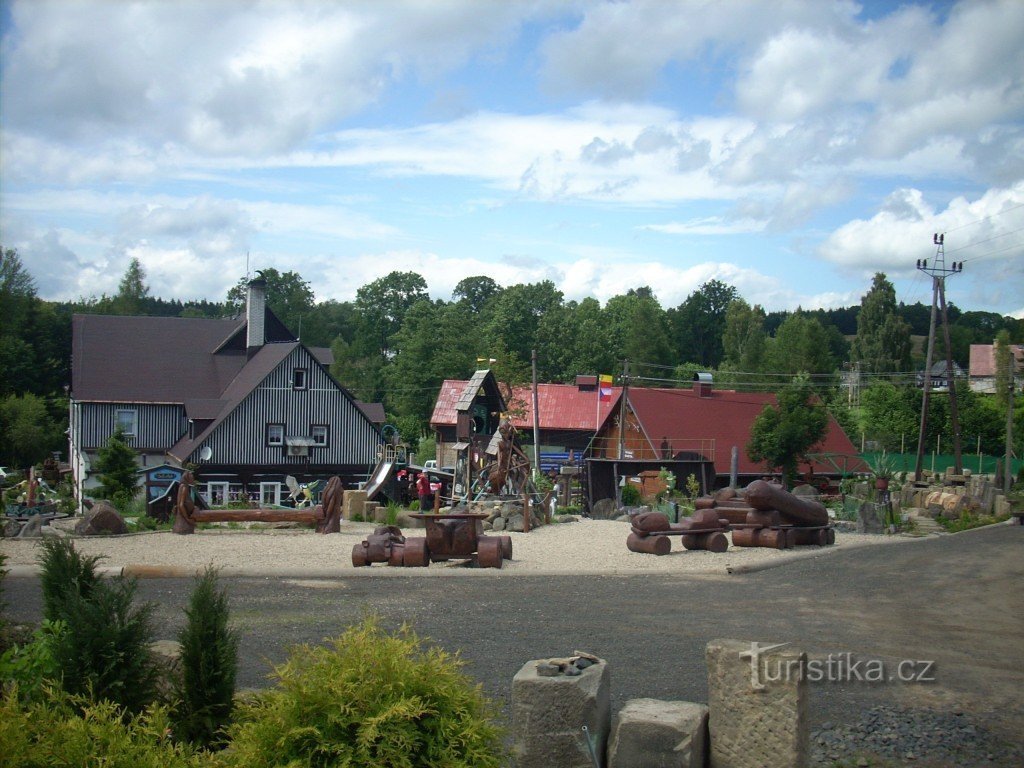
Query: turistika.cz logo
(833, 668)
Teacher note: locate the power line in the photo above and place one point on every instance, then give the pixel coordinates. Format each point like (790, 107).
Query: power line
(987, 240)
(986, 218)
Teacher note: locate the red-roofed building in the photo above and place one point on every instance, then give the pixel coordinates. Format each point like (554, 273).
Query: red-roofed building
(982, 366)
(569, 415)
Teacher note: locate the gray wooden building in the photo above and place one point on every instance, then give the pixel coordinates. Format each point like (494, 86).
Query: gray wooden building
(242, 400)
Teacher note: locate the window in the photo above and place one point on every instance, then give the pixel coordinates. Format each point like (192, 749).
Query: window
(270, 493)
(299, 378)
(275, 434)
(319, 434)
(125, 421)
(217, 494)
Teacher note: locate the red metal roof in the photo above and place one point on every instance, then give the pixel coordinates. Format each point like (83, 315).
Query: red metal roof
(725, 417)
(562, 406)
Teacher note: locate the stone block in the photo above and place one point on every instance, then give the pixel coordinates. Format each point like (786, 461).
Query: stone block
(548, 715)
(648, 733)
(102, 519)
(758, 705)
(354, 504)
(870, 519)
(1001, 505)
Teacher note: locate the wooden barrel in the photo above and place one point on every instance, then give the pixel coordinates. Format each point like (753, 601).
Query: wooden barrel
(650, 545)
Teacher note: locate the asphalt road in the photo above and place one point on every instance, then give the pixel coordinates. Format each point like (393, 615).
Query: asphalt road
(954, 601)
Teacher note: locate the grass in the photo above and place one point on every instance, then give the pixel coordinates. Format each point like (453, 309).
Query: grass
(967, 522)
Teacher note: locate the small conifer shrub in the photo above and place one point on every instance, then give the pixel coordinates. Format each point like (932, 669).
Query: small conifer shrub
(209, 661)
(368, 699)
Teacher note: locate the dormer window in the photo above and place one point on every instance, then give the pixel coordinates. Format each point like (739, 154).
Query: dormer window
(299, 378)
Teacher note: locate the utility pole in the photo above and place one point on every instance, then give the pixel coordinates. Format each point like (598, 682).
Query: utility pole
(622, 409)
(1007, 474)
(536, 419)
(938, 272)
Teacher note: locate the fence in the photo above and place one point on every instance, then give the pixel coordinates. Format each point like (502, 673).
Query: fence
(938, 462)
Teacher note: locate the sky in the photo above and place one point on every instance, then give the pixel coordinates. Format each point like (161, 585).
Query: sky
(791, 149)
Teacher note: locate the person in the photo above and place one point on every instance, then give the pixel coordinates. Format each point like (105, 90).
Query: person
(423, 491)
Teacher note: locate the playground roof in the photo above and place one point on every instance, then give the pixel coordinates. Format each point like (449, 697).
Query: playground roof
(562, 406)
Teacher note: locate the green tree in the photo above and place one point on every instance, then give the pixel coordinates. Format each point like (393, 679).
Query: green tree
(132, 292)
(515, 315)
(743, 338)
(801, 345)
(28, 433)
(891, 414)
(1003, 355)
(883, 337)
(117, 470)
(18, 302)
(476, 292)
(382, 306)
(782, 435)
(638, 328)
(699, 322)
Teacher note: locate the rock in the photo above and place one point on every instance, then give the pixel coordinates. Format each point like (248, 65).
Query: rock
(572, 671)
(648, 732)
(166, 657)
(566, 519)
(514, 523)
(488, 526)
(499, 524)
(544, 669)
(604, 509)
(101, 520)
(10, 529)
(33, 529)
(624, 518)
(805, 491)
(869, 518)
(405, 520)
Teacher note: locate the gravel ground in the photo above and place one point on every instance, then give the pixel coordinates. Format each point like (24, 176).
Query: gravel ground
(584, 547)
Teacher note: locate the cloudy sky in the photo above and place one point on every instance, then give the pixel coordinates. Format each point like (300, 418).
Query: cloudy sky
(789, 148)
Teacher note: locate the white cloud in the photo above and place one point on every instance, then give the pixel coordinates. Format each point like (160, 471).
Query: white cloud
(902, 230)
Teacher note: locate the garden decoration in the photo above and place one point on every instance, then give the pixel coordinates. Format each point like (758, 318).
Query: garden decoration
(189, 510)
(449, 536)
(649, 532)
(509, 473)
(779, 519)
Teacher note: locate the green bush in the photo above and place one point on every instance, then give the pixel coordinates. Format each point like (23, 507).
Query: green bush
(630, 495)
(369, 698)
(31, 667)
(969, 521)
(209, 654)
(104, 653)
(391, 517)
(64, 571)
(74, 732)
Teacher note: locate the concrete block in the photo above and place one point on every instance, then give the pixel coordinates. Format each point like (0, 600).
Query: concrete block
(353, 504)
(758, 702)
(548, 715)
(648, 733)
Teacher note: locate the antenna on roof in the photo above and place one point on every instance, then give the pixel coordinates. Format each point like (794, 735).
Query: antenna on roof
(247, 266)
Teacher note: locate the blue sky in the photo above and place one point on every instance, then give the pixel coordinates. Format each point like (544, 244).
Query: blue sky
(788, 148)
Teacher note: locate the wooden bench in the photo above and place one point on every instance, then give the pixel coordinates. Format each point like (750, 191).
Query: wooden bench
(650, 533)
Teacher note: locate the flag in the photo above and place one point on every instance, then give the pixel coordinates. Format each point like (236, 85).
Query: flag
(604, 388)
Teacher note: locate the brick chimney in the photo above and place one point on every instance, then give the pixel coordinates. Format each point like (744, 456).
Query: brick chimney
(255, 314)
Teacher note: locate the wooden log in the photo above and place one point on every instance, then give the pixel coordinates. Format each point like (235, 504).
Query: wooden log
(794, 509)
(711, 542)
(767, 519)
(760, 537)
(488, 554)
(649, 545)
(306, 515)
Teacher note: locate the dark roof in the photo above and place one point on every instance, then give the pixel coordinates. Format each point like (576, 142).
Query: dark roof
(144, 359)
(373, 411)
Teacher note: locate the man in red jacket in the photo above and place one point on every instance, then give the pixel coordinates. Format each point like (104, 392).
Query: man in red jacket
(424, 492)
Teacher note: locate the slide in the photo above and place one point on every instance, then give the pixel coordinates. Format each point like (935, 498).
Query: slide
(378, 478)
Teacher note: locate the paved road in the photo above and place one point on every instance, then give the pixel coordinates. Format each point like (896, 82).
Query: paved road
(951, 600)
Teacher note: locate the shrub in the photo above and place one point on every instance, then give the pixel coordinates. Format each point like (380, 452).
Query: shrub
(64, 571)
(391, 517)
(630, 495)
(368, 699)
(29, 668)
(65, 731)
(209, 652)
(105, 651)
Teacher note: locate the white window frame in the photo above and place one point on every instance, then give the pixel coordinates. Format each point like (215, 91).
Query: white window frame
(215, 487)
(300, 378)
(133, 431)
(320, 434)
(279, 441)
(275, 493)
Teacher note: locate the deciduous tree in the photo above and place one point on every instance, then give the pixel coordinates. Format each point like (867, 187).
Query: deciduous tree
(782, 435)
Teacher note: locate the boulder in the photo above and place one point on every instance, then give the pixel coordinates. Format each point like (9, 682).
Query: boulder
(33, 529)
(10, 529)
(514, 523)
(805, 491)
(101, 520)
(604, 509)
(869, 518)
(498, 524)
